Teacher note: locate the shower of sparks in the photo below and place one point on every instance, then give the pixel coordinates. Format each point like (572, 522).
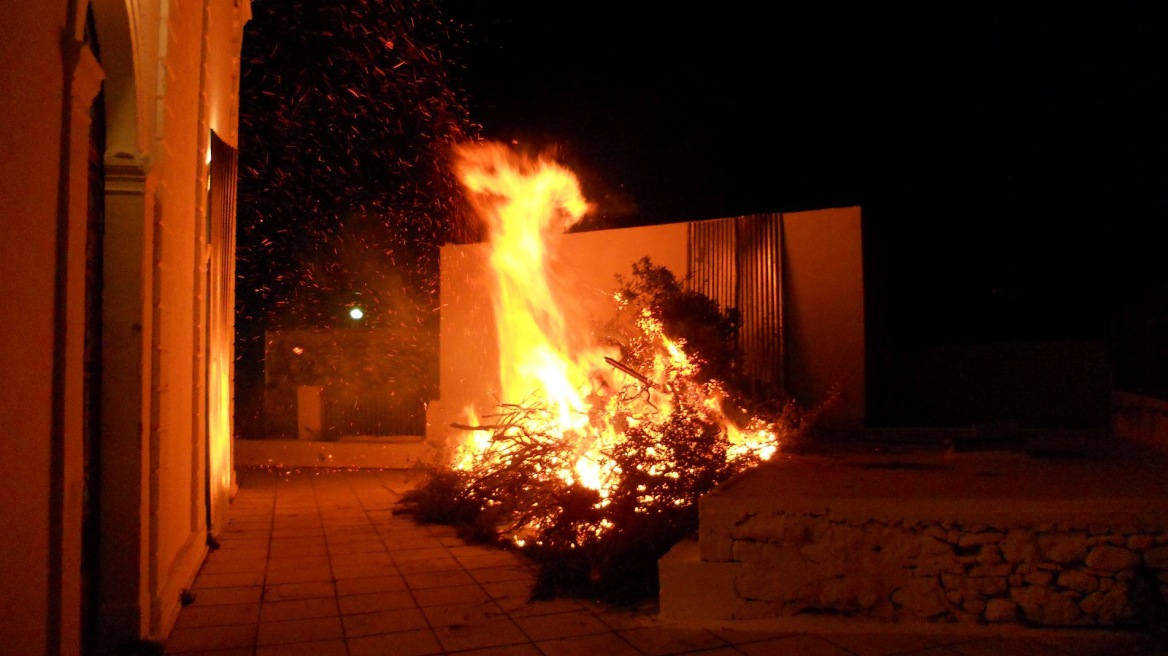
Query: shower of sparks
(347, 112)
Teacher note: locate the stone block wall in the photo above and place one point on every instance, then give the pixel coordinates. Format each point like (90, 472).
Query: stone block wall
(1140, 419)
(1052, 575)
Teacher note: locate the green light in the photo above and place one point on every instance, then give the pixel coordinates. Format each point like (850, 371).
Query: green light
(356, 313)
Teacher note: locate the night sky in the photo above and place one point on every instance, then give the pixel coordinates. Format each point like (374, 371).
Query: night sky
(1010, 157)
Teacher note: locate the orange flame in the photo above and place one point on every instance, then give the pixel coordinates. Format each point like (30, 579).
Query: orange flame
(525, 202)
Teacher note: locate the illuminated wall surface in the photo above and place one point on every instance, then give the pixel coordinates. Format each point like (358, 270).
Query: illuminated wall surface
(823, 306)
(153, 395)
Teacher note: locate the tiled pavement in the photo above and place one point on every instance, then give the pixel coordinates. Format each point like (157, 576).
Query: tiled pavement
(315, 563)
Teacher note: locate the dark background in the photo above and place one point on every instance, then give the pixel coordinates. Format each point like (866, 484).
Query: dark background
(1009, 157)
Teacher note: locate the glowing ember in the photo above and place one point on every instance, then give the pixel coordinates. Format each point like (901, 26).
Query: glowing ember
(585, 431)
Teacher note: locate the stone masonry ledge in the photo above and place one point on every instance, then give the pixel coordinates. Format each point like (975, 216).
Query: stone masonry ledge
(1118, 483)
(973, 538)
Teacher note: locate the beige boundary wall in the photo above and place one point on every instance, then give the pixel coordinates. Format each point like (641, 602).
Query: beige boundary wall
(823, 309)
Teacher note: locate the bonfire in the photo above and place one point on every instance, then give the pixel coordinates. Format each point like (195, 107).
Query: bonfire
(606, 435)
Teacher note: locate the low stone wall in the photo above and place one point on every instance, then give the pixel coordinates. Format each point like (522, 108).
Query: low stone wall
(1053, 575)
(1140, 418)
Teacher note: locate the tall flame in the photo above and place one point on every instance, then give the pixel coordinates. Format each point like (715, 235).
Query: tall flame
(582, 390)
(525, 201)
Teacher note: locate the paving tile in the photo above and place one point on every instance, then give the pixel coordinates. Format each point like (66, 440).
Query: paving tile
(417, 642)
(300, 630)
(254, 515)
(477, 597)
(244, 531)
(298, 562)
(463, 614)
(386, 621)
(628, 618)
(248, 516)
(228, 580)
(274, 611)
(600, 644)
(228, 565)
(297, 527)
(803, 644)
(421, 580)
(428, 553)
(560, 625)
(297, 535)
(298, 551)
(231, 535)
(338, 530)
(295, 505)
(299, 511)
(243, 552)
(548, 607)
(446, 564)
(315, 648)
(221, 651)
(363, 558)
(218, 615)
(509, 573)
(510, 588)
(459, 594)
(1108, 643)
(1003, 646)
(387, 516)
(880, 644)
(210, 637)
(480, 634)
(506, 650)
(396, 542)
(350, 520)
(244, 519)
(215, 596)
(441, 531)
(357, 547)
(311, 574)
(375, 601)
(371, 584)
(362, 570)
(466, 550)
(288, 591)
(344, 529)
(655, 640)
(732, 635)
(490, 559)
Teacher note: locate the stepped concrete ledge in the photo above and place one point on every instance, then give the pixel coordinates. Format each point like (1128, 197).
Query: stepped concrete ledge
(932, 536)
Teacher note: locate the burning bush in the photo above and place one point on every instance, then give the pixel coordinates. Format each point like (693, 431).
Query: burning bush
(599, 528)
(601, 446)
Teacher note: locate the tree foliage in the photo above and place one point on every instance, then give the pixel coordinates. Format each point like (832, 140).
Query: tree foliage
(708, 330)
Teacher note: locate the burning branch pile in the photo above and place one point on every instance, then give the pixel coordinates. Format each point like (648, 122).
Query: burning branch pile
(599, 522)
(596, 456)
